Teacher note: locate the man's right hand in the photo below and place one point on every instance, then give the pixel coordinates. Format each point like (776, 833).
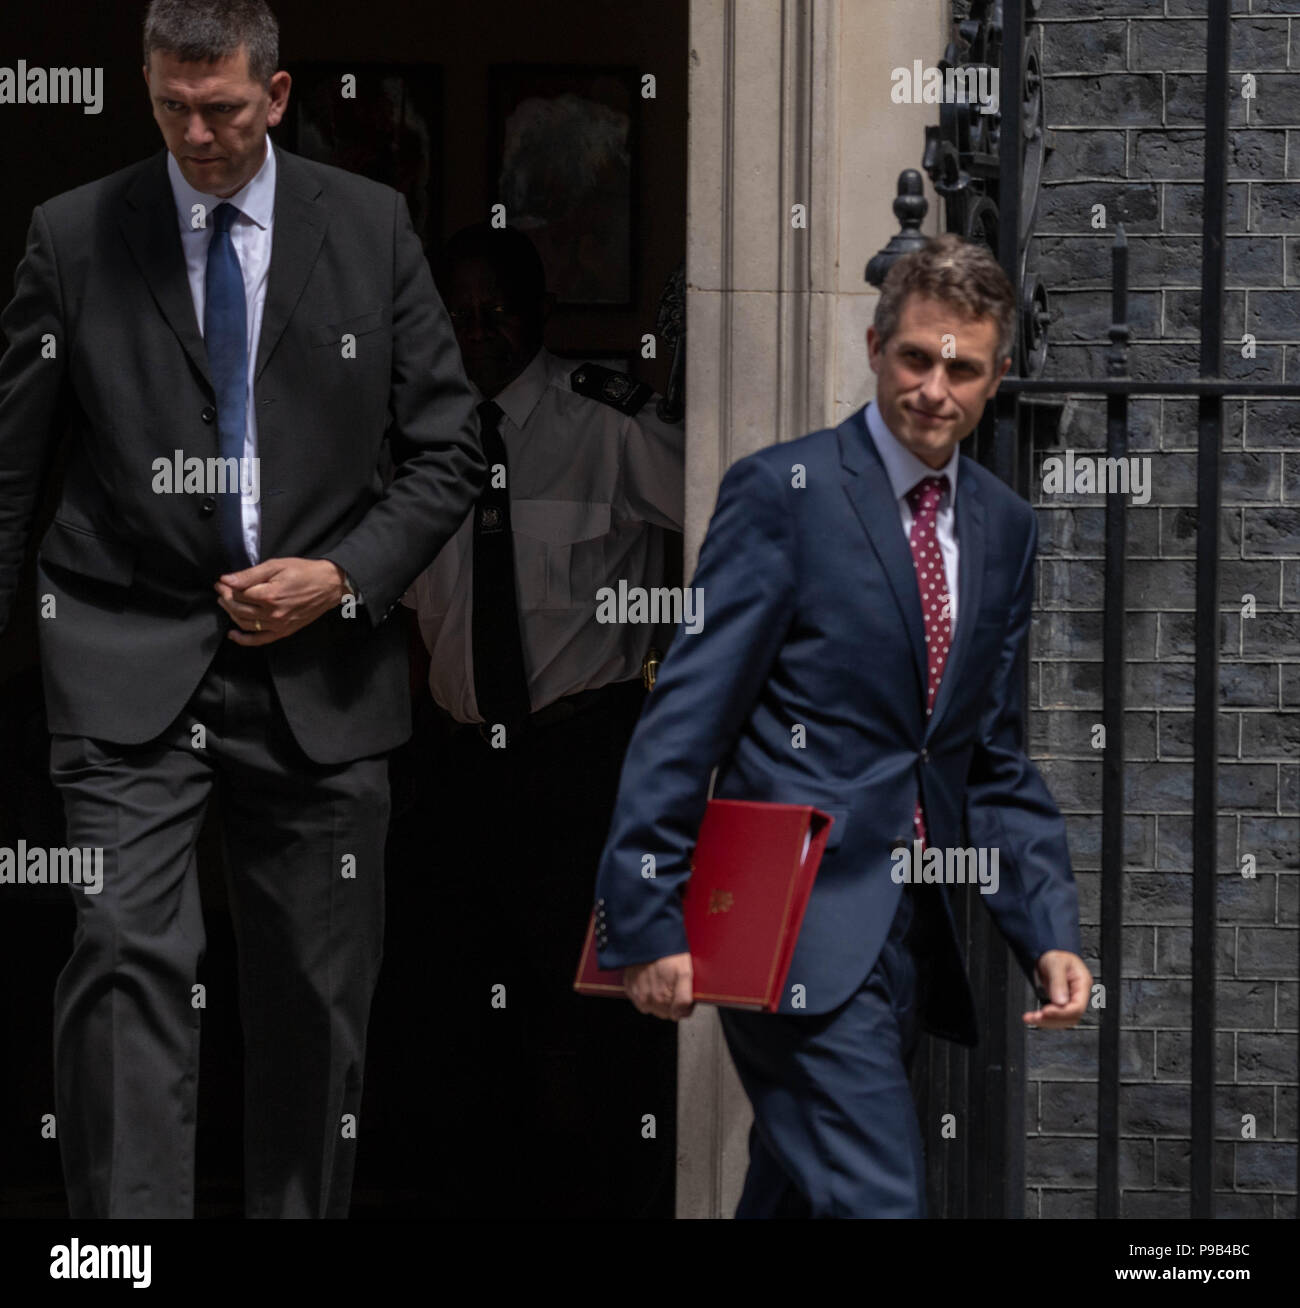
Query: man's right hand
(662, 987)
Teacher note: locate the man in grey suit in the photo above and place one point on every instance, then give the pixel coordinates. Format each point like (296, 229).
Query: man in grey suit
(227, 334)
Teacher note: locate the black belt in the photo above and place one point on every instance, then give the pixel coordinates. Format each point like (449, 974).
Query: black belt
(571, 705)
(561, 710)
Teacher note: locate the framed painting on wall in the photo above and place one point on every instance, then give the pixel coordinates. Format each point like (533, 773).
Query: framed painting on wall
(564, 165)
(383, 121)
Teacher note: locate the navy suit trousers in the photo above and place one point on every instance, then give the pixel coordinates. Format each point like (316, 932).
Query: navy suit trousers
(835, 1132)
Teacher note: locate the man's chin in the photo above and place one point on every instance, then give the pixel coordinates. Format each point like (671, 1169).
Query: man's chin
(933, 445)
(492, 380)
(211, 181)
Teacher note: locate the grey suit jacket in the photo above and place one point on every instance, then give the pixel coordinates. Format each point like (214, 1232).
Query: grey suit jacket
(104, 350)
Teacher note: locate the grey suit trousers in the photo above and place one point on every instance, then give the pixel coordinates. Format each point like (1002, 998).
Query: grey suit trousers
(304, 848)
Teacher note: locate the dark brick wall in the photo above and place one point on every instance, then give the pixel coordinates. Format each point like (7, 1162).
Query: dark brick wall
(1124, 88)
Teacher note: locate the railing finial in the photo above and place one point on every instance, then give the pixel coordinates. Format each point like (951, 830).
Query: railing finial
(910, 208)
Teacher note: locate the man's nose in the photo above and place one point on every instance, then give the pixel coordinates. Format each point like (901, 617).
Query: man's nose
(935, 387)
(478, 322)
(197, 131)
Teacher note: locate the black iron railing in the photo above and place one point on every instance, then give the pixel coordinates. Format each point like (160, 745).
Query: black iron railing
(989, 1179)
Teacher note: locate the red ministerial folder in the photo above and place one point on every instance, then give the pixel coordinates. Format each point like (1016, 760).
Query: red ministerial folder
(751, 877)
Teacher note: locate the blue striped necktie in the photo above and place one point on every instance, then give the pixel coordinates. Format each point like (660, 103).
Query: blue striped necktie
(225, 333)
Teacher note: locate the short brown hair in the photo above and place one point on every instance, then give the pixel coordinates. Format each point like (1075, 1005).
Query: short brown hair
(957, 272)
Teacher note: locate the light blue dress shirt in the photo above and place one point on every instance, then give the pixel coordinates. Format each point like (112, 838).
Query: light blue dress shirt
(250, 234)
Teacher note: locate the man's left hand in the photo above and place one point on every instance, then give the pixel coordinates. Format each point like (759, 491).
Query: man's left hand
(1068, 983)
(278, 597)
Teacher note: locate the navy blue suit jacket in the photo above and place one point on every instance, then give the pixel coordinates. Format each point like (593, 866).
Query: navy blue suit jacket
(811, 616)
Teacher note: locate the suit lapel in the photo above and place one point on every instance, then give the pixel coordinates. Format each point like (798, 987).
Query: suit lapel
(971, 534)
(867, 486)
(872, 497)
(300, 223)
(150, 225)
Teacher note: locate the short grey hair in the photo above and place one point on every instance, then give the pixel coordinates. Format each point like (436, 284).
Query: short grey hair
(203, 31)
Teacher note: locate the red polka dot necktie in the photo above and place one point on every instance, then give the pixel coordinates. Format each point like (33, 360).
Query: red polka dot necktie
(936, 605)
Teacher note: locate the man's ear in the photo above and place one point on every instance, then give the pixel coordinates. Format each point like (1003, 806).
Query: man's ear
(997, 380)
(279, 93)
(873, 349)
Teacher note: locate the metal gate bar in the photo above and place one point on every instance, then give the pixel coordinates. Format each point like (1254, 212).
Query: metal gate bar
(1205, 744)
(1112, 766)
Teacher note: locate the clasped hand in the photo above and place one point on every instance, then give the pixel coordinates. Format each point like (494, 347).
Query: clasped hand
(278, 597)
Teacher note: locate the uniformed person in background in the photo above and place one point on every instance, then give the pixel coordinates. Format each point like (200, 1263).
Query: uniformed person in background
(568, 1101)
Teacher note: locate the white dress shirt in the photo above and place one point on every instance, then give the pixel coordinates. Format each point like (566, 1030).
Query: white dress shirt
(592, 492)
(250, 234)
(904, 470)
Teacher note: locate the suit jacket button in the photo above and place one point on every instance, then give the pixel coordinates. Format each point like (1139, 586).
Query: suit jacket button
(207, 505)
(898, 843)
(209, 414)
(925, 756)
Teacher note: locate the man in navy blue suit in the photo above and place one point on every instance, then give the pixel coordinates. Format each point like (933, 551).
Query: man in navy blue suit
(866, 597)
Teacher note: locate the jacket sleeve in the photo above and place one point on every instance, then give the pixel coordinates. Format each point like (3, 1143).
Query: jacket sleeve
(438, 464)
(1009, 808)
(32, 375)
(744, 588)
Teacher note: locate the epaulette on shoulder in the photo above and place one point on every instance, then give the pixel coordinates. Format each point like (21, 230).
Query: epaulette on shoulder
(616, 389)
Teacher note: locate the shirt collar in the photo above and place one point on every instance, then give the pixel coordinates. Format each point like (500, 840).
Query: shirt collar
(256, 199)
(902, 467)
(518, 400)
